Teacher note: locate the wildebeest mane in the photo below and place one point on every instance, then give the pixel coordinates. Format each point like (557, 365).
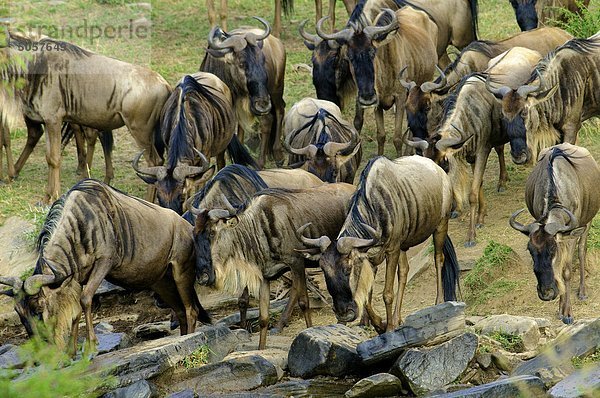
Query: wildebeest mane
(72, 49)
(450, 102)
(360, 200)
(580, 46)
(326, 133)
(54, 214)
(552, 191)
(486, 47)
(357, 13)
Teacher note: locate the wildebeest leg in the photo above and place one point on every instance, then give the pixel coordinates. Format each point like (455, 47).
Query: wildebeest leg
(34, 133)
(359, 113)
(53, 158)
(266, 123)
(319, 9)
(221, 160)
(380, 130)
(166, 288)
(376, 320)
(243, 303)
(212, 15)
(503, 178)
(444, 61)
(74, 335)
(91, 135)
(439, 237)
(101, 268)
(388, 290)
(476, 196)
(9, 158)
(184, 277)
(565, 299)
(400, 101)
(263, 312)
(299, 279)
(223, 14)
(279, 109)
(277, 19)
(106, 139)
(582, 248)
(289, 307)
(402, 277)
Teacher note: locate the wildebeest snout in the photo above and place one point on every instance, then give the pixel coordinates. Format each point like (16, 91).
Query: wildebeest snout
(261, 106)
(547, 293)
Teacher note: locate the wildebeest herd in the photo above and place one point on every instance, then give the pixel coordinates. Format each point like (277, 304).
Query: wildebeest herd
(240, 226)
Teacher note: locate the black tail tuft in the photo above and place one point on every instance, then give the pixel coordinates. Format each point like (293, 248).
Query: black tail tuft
(239, 154)
(107, 140)
(450, 271)
(474, 7)
(159, 143)
(203, 315)
(66, 135)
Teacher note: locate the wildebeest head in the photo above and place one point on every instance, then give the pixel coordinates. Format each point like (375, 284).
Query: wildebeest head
(423, 106)
(348, 272)
(206, 227)
(173, 187)
(544, 239)
(49, 298)
(244, 53)
(516, 106)
(328, 65)
(361, 44)
(526, 14)
(325, 158)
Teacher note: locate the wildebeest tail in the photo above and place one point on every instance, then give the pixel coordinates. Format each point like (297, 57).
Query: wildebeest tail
(239, 154)
(66, 134)
(107, 140)
(450, 271)
(159, 143)
(203, 315)
(474, 7)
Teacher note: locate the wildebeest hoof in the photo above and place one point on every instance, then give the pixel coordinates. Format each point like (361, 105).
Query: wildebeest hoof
(501, 189)
(454, 214)
(582, 296)
(470, 243)
(567, 320)
(479, 225)
(174, 324)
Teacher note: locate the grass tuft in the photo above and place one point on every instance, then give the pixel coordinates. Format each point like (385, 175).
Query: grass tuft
(581, 361)
(509, 342)
(583, 24)
(197, 358)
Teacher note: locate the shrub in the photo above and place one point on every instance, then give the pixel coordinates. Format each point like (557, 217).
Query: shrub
(583, 24)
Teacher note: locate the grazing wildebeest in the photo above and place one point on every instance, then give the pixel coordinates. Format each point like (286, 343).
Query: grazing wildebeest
(95, 232)
(246, 248)
(197, 123)
(251, 63)
(552, 111)
(321, 141)
(424, 102)
(77, 86)
(378, 52)
(472, 114)
(533, 13)
(237, 184)
(85, 141)
(398, 204)
(563, 196)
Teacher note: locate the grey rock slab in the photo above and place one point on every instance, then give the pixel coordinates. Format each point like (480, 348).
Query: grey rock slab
(431, 325)
(153, 330)
(103, 328)
(139, 389)
(240, 373)
(378, 385)
(183, 394)
(554, 363)
(107, 288)
(429, 369)
(274, 355)
(9, 357)
(17, 256)
(153, 357)
(108, 342)
(519, 386)
(582, 383)
(526, 328)
(324, 350)
(314, 388)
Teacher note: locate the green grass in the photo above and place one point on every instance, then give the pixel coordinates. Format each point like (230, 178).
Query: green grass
(581, 361)
(197, 358)
(584, 24)
(509, 342)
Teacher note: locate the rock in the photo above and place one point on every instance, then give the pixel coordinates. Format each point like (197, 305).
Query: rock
(526, 328)
(108, 342)
(431, 325)
(276, 356)
(473, 319)
(9, 319)
(17, 256)
(239, 373)
(324, 350)
(554, 363)
(275, 308)
(103, 328)
(379, 385)
(150, 331)
(428, 369)
(9, 357)
(501, 361)
(183, 394)
(520, 386)
(319, 387)
(107, 288)
(484, 360)
(151, 358)
(584, 382)
(276, 341)
(139, 389)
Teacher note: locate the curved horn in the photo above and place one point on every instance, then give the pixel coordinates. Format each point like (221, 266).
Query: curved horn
(196, 211)
(527, 89)
(216, 214)
(34, 283)
(236, 42)
(322, 243)
(407, 84)
(526, 229)
(428, 87)
(267, 31)
(555, 227)
(308, 151)
(346, 244)
(314, 39)
(148, 171)
(417, 143)
(344, 34)
(333, 148)
(498, 92)
(372, 31)
(228, 206)
(14, 282)
(180, 173)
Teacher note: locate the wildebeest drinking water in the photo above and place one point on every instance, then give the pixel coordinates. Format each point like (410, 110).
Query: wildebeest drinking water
(562, 194)
(75, 85)
(95, 232)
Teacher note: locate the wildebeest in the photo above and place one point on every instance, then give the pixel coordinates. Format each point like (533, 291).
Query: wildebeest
(424, 102)
(563, 196)
(378, 52)
(197, 123)
(321, 141)
(95, 232)
(533, 13)
(398, 204)
(551, 111)
(236, 184)
(251, 63)
(247, 248)
(85, 141)
(74, 85)
(472, 126)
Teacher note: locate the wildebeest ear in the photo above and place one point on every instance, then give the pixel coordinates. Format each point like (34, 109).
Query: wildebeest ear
(309, 45)
(313, 253)
(202, 178)
(577, 232)
(543, 96)
(232, 221)
(147, 179)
